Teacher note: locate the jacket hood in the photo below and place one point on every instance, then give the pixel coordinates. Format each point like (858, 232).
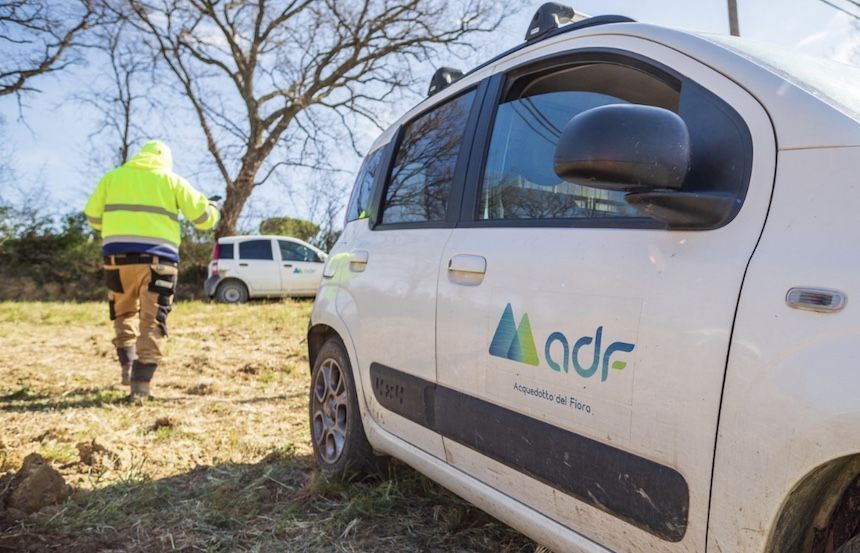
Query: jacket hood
(154, 155)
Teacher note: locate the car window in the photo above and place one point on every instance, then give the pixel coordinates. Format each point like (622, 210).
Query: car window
(420, 181)
(225, 251)
(363, 189)
(519, 181)
(290, 251)
(255, 249)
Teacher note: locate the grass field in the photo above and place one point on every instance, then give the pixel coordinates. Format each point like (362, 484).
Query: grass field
(221, 461)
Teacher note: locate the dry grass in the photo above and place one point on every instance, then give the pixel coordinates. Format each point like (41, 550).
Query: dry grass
(219, 462)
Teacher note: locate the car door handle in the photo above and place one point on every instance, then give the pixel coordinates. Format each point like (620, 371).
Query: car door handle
(243, 264)
(467, 270)
(288, 264)
(358, 261)
(468, 264)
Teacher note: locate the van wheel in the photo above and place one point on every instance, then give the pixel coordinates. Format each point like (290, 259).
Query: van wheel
(337, 433)
(231, 291)
(851, 546)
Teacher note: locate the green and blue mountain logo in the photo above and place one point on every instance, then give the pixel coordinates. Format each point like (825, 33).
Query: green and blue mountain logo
(514, 342)
(587, 356)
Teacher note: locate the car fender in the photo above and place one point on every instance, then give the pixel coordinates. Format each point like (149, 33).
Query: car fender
(326, 314)
(790, 406)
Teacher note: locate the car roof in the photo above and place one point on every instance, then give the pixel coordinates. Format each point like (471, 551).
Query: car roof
(243, 237)
(790, 106)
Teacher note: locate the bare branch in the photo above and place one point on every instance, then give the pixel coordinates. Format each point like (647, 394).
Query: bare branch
(266, 74)
(43, 36)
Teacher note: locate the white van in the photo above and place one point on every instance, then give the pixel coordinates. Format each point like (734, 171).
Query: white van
(244, 267)
(603, 286)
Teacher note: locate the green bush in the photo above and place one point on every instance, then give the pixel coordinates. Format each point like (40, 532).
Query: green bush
(44, 261)
(288, 226)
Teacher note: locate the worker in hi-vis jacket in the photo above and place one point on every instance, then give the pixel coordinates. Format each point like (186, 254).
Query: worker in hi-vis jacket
(136, 208)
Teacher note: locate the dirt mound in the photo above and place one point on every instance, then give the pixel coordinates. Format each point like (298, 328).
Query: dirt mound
(36, 485)
(95, 455)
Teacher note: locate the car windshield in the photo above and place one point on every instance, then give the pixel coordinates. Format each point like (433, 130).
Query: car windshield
(836, 83)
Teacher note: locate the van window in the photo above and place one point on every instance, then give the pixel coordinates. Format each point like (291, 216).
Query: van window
(362, 192)
(290, 251)
(420, 181)
(519, 181)
(225, 251)
(255, 249)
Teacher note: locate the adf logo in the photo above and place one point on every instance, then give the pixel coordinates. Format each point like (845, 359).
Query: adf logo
(514, 342)
(518, 344)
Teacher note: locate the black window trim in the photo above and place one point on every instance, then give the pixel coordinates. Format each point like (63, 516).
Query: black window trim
(499, 85)
(458, 183)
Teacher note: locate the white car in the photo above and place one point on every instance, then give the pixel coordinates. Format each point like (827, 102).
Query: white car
(606, 287)
(244, 267)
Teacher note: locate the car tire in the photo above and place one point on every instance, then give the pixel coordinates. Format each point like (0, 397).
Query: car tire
(339, 443)
(851, 546)
(231, 291)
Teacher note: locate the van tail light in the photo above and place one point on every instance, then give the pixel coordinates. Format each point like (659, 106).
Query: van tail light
(215, 259)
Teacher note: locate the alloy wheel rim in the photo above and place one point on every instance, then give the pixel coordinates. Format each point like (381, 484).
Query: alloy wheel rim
(330, 411)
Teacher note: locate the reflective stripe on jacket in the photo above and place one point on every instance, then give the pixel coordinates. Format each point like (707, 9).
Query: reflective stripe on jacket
(140, 201)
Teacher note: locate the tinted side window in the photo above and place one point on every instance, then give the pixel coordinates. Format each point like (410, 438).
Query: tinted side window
(225, 251)
(420, 182)
(362, 192)
(519, 181)
(290, 251)
(256, 249)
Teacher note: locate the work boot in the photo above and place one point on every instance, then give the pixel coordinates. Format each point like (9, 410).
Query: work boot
(141, 377)
(126, 355)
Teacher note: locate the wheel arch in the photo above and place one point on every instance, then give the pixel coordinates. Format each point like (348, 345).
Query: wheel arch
(812, 506)
(317, 336)
(229, 279)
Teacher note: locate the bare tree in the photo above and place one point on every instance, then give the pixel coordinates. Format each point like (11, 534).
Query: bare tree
(36, 36)
(326, 198)
(124, 96)
(268, 73)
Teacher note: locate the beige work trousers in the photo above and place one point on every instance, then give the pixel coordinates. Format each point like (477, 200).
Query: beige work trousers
(140, 296)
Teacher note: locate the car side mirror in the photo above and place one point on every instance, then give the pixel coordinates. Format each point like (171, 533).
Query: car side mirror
(643, 151)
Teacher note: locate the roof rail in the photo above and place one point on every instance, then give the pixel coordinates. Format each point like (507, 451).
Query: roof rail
(547, 18)
(443, 78)
(575, 26)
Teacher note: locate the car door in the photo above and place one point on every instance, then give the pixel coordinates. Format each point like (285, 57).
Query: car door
(388, 299)
(581, 347)
(257, 266)
(301, 268)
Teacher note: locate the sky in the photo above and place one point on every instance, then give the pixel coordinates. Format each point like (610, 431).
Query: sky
(49, 136)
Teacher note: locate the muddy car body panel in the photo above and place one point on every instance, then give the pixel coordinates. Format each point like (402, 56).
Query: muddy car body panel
(594, 378)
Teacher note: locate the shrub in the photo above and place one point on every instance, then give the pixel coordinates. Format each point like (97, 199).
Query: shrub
(288, 226)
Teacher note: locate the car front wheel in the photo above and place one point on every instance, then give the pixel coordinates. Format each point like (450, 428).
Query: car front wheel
(337, 433)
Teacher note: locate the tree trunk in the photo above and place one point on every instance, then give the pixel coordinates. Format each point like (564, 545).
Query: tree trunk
(238, 193)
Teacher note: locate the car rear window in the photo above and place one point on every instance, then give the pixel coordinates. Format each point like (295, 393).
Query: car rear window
(363, 189)
(423, 171)
(256, 249)
(225, 251)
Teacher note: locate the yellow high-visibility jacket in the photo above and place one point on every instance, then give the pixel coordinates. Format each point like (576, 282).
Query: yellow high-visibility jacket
(136, 206)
